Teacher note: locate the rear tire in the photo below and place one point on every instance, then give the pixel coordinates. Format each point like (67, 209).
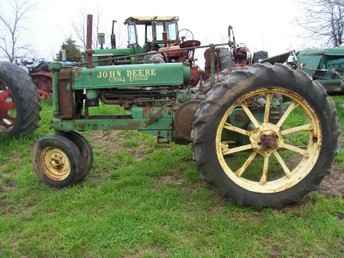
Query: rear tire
(24, 94)
(224, 96)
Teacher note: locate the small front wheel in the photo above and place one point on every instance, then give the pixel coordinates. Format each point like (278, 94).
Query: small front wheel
(85, 149)
(57, 161)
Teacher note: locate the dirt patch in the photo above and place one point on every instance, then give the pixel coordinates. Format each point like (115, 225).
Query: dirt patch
(139, 152)
(106, 140)
(7, 184)
(173, 178)
(333, 184)
(148, 251)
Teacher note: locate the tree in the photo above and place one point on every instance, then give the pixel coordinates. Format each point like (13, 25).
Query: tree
(324, 19)
(11, 28)
(71, 50)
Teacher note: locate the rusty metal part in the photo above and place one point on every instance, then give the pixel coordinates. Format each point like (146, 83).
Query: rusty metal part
(195, 76)
(43, 82)
(269, 140)
(183, 121)
(66, 97)
(174, 52)
(7, 108)
(212, 62)
(89, 50)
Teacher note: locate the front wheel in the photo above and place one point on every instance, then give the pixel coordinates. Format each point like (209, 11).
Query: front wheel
(254, 158)
(86, 152)
(57, 161)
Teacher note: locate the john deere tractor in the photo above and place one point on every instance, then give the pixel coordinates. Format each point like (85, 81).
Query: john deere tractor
(264, 135)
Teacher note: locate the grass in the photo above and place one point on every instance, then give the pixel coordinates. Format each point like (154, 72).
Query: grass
(146, 200)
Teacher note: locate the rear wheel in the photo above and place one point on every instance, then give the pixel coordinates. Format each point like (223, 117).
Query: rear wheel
(260, 161)
(57, 161)
(19, 108)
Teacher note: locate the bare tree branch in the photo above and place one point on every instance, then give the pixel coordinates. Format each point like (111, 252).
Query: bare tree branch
(11, 28)
(324, 20)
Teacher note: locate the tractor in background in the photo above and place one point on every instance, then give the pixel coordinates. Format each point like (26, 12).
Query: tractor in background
(264, 135)
(38, 69)
(325, 66)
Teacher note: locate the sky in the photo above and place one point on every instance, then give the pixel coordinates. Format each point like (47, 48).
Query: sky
(262, 25)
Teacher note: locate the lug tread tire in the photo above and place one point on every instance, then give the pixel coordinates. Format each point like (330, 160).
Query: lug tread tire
(24, 95)
(223, 94)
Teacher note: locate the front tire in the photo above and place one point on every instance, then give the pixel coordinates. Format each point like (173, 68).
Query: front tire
(57, 161)
(265, 177)
(86, 152)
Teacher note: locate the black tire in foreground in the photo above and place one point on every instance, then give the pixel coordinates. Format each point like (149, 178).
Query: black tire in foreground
(265, 141)
(57, 161)
(86, 152)
(24, 95)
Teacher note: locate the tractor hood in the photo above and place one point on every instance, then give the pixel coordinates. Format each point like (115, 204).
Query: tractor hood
(131, 76)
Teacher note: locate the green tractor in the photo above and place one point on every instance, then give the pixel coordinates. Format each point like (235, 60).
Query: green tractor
(323, 65)
(264, 135)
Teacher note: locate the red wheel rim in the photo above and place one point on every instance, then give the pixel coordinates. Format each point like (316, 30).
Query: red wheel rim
(7, 108)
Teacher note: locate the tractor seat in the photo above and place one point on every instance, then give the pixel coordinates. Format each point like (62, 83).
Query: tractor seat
(190, 43)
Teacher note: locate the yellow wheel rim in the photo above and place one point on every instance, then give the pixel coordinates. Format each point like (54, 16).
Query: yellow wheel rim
(56, 164)
(275, 164)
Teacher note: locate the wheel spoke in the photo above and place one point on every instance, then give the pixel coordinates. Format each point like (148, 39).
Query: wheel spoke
(250, 115)
(264, 177)
(286, 114)
(236, 129)
(247, 163)
(282, 163)
(237, 149)
(268, 102)
(294, 148)
(302, 128)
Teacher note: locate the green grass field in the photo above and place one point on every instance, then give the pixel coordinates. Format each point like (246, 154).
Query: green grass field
(146, 200)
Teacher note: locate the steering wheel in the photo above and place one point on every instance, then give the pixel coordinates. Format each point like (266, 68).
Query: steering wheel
(186, 34)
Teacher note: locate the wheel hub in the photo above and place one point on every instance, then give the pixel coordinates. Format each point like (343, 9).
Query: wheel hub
(266, 138)
(269, 141)
(57, 164)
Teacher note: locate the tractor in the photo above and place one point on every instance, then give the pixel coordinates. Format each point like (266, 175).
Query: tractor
(263, 135)
(323, 65)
